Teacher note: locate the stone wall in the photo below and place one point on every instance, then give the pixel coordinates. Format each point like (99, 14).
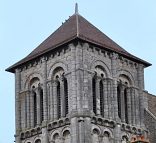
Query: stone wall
(150, 122)
(78, 62)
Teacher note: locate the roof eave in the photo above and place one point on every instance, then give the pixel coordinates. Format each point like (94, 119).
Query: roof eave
(16, 65)
(25, 60)
(145, 63)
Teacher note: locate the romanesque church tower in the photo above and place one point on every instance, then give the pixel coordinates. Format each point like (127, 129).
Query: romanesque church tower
(79, 86)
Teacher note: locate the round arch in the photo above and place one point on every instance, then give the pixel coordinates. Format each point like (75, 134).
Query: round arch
(127, 74)
(54, 133)
(30, 77)
(125, 135)
(103, 65)
(65, 129)
(109, 131)
(66, 134)
(95, 127)
(56, 65)
(28, 141)
(96, 132)
(36, 139)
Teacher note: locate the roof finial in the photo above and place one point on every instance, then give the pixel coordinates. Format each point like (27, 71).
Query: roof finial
(76, 8)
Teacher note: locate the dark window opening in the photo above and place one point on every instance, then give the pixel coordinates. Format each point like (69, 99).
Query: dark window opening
(126, 106)
(94, 95)
(101, 99)
(41, 106)
(119, 101)
(35, 109)
(66, 95)
(58, 100)
(102, 75)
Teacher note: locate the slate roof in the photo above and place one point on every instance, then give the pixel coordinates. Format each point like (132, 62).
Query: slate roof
(76, 27)
(152, 104)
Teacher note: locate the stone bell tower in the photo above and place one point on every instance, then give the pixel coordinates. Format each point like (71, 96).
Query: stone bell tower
(79, 86)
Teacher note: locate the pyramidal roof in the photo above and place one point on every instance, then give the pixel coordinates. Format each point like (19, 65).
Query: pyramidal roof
(75, 27)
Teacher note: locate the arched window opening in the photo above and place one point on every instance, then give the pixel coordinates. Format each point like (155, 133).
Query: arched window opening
(95, 136)
(106, 134)
(119, 101)
(66, 95)
(98, 90)
(106, 138)
(96, 131)
(66, 135)
(41, 106)
(61, 92)
(126, 105)
(123, 97)
(58, 100)
(38, 141)
(56, 138)
(35, 108)
(37, 96)
(101, 99)
(94, 94)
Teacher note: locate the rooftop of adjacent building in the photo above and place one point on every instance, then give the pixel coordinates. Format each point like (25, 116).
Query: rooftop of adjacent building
(152, 104)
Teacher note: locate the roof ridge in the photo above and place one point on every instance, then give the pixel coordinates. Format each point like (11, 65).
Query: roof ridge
(150, 113)
(112, 41)
(77, 24)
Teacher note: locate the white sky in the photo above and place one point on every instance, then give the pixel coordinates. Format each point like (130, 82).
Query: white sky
(25, 24)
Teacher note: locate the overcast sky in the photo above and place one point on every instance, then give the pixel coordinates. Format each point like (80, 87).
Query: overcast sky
(25, 24)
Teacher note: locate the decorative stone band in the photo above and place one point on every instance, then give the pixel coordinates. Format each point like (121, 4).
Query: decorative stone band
(103, 122)
(30, 133)
(112, 124)
(58, 123)
(50, 126)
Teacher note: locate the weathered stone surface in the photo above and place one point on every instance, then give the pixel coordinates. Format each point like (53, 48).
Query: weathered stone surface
(103, 100)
